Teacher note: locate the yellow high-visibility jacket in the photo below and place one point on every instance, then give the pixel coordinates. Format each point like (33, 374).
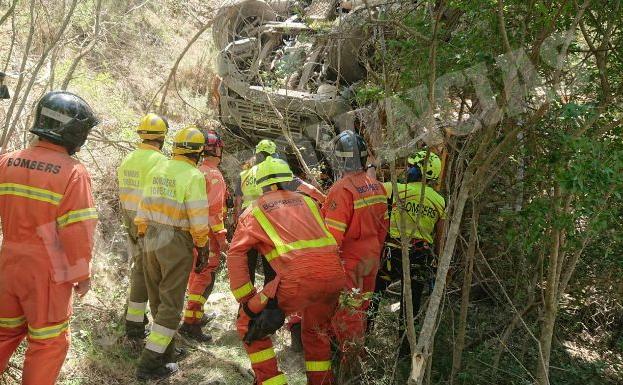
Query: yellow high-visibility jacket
(132, 172)
(432, 209)
(248, 186)
(175, 195)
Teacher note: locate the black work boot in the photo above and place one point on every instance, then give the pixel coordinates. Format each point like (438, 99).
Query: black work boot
(136, 333)
(154, 366)
(137, 330)
(158, 373)
(296, 342)
(194, 331)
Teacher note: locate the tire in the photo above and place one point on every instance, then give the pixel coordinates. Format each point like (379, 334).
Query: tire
(237, 19)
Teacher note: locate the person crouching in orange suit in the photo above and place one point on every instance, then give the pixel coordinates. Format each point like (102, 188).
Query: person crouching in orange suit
(200, 285)
(287, 228)
(48, 221)
(355, 212)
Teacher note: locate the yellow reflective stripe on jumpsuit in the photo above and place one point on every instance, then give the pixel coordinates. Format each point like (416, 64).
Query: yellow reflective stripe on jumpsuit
(317, 366)
(24, 191)
(76, 216)
(282, 248)
(48, 331)
(243, 290)
(12, 322)
(263, 355)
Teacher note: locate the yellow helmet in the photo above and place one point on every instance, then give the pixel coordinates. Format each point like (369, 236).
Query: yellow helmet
(271, 171)
(267, 146)
(188, 141)
(152, 126)
(433, 168)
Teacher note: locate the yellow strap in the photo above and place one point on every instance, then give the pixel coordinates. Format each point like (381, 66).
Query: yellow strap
(277, 380)
(76, 216)
(24, 191)
(262, 356)
(243, 290)
(12, 322)
(317, 366)
(48, 331)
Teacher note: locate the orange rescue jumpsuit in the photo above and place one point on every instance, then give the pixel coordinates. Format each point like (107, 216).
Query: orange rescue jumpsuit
(356, 214)
(200, 284)
(48, 221)
(287, 228)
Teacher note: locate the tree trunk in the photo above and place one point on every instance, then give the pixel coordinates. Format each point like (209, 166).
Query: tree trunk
(422, 350)
(550, 297)
(468, 264)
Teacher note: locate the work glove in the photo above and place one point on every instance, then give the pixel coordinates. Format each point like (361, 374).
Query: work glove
(264, 323)
(202, 258)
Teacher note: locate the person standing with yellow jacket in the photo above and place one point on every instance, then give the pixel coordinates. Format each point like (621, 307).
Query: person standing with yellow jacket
(421, 210)
(173, 219)
(131, 175)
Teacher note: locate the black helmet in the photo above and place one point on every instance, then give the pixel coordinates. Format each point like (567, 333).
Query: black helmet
(351, 151)
(65, 119)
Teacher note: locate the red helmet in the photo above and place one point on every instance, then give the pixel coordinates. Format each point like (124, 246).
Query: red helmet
(214, 144)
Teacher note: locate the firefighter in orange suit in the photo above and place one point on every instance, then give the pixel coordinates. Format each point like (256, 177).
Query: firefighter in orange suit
(48, 221)
(131, 176)
(287, 228)
(201, 284)
(356, 214)
(173, 220)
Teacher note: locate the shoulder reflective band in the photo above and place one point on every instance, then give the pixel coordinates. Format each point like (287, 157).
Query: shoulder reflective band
(76, 216)
(262, 356)
(136, 311)
(340, 226)
(197, 298)
(369, 201)
(317, 366)
(277, 380)
(282, 248)
(12, 322)
(243, 290)
(159, 338)
(48, 332)
(24, 191)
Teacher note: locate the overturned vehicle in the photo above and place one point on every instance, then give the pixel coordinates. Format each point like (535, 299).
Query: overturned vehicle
(288, 67)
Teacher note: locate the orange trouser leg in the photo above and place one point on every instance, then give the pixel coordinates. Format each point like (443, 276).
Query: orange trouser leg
(349, 324)
(200, 287)
(28, 297)
(47, 349)
(317, 343)
(12, 325)
(261, 354)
